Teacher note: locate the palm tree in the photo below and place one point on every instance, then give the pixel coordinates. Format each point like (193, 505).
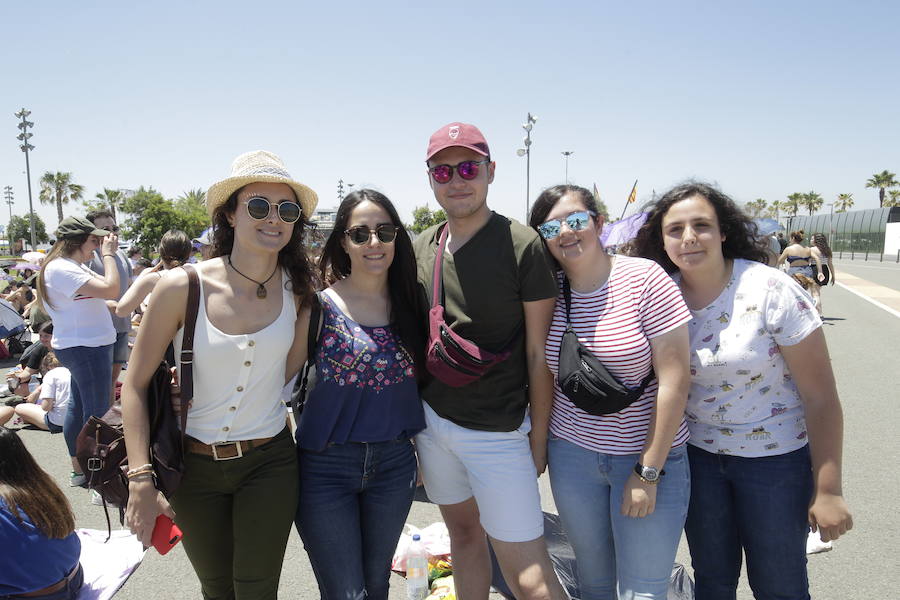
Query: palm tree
(112, 198)
(812, 201)
(882, 180)
(775, 208)
(792, 204)
(844, 202)
(756, 207)
(895, 198)
(58, 188)
(197, 196)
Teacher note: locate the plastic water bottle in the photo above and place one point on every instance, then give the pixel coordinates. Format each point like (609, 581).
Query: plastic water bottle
(416, 570)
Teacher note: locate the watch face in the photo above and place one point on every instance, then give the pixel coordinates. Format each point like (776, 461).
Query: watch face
(650, 473)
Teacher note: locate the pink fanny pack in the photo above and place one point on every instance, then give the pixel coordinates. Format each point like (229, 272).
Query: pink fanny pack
(451, 358)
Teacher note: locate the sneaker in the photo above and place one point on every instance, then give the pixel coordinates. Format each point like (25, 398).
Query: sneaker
(77, 479)
(97, 500)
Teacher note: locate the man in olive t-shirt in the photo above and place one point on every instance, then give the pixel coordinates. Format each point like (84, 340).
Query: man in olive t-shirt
(479, 462)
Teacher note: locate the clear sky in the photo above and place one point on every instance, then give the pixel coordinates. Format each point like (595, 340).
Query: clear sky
(764, 98)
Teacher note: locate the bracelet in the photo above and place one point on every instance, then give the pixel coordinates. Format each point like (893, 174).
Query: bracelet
(148, 468)
(140, 475)
(105, 255)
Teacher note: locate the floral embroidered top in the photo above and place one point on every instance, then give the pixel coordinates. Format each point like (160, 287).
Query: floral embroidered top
(742, 400)
(365, 387)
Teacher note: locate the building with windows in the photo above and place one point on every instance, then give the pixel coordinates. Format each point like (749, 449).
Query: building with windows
(875, 231)
(323, 223)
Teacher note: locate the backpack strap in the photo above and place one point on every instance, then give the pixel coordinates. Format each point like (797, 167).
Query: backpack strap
(298, 397)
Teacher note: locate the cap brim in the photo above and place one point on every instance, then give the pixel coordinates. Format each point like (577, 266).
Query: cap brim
(468, 146)
(219, 193)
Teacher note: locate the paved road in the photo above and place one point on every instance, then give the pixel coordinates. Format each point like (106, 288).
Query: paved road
(864, 341)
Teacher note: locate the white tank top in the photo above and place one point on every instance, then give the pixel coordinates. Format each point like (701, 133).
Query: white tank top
(238, 378)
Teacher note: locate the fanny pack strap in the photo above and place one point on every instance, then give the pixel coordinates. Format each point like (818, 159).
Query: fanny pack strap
(437, 272)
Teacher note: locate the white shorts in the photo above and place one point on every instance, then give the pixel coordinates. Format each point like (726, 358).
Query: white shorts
(496, 467)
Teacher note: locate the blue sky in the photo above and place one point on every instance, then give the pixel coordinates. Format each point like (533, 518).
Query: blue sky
(765, 98)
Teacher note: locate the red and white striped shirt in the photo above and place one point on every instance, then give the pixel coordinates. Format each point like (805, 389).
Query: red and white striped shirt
(638, 302)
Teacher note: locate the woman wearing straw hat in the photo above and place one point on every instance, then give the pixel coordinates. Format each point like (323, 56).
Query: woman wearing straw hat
(238, 497)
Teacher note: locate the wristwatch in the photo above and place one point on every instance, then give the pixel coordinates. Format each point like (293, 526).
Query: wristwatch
(648, 474)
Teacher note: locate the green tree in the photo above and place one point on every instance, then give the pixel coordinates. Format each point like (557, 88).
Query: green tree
(894, 199)
(812, 201)
(424, 217)
(108, 200)
(150, 215)
(20, 227)
(844, 201)
(882, 181)
(756, 207)
(191, 210)
(58, 188)
(774, 209)
(792, 204)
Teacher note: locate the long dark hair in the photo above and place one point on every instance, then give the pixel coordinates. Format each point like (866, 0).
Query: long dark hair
(406, 307)
(741, 237)
(26, 488)
(175, 248)
(292, 258)
(821, 243)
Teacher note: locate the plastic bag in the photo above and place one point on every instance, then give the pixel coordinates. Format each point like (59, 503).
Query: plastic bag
(435, 539)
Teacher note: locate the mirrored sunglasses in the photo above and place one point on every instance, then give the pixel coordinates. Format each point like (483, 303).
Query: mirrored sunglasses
(259, 208)
(576, 222)
(361, 234)
(468, 170)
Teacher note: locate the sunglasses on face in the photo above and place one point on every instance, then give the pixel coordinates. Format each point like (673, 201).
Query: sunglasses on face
(361, 234)
(467, 169)
(576, 221)
(260, 208)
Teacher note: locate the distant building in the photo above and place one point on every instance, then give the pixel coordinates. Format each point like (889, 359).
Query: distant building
(875, 230)
(323, 222)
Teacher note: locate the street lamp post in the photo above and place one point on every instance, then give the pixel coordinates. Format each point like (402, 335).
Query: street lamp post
(8, 198)
(25, 147)
(567, 154)
(526, 152)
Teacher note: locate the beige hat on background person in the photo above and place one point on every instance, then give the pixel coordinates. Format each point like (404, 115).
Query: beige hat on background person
(259, 166)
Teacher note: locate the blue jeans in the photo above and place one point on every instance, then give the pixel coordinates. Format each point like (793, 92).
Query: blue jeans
(588, 488)
(354, 500)
(91, 370)
(755, 504)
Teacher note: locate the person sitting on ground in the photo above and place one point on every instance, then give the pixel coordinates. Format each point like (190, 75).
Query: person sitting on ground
(174, 250)
(30, 361)
(36, 521)
(21, 297)
(46, 406)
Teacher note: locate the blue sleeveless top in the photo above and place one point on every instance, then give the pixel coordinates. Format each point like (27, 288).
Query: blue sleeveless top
(366, 385)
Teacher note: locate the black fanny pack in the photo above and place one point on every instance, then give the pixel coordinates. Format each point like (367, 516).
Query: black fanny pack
(583, 378)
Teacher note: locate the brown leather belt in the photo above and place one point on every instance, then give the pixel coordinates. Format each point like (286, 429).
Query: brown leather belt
(225, 450)
(52, 588)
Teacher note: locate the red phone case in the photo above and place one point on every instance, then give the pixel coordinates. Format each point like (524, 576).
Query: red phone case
(165, 534)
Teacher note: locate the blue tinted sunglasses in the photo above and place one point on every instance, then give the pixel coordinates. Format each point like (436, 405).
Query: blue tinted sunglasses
(576, 221)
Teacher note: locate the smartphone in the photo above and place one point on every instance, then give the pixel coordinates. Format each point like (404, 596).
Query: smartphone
(165, 534)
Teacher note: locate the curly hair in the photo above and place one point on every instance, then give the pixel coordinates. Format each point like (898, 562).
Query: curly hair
(821, 242)
(302, 280)
(406, 307)
(741, 236)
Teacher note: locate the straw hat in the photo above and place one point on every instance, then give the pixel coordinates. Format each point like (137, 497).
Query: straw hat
(259, 166)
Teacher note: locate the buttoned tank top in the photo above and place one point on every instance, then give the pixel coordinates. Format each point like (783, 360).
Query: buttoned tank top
(238, 378)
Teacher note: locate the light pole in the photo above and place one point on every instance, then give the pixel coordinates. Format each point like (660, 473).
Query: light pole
(831, 220)
(8, 198)
(25, 147)
(567, 154)
(526, 152)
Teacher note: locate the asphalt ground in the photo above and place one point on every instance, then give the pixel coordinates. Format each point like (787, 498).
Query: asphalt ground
(864, 341)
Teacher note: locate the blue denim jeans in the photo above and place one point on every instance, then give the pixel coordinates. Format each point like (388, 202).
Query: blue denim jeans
(610, 548)
(758, 505)
(354, 500)
(91, 370)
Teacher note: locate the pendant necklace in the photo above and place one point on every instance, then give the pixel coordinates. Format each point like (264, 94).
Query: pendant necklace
(261, 290)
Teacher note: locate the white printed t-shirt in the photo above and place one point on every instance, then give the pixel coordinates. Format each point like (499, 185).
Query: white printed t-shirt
(638, 302)
(55, 386)
(78, 320)
(742, 400)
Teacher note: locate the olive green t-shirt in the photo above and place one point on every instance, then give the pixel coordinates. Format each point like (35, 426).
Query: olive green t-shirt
(485, 283)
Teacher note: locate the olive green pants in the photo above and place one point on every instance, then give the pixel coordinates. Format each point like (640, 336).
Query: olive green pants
(236, 516)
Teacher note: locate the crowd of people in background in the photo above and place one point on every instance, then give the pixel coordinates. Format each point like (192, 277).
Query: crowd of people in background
(438, 361)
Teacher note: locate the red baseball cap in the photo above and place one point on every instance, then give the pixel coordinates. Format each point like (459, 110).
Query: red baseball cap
(457, 134)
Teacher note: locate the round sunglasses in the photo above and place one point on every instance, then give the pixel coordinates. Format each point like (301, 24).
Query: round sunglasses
(260, 208)
(361, 234)
(468, 170)
(576, 221)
